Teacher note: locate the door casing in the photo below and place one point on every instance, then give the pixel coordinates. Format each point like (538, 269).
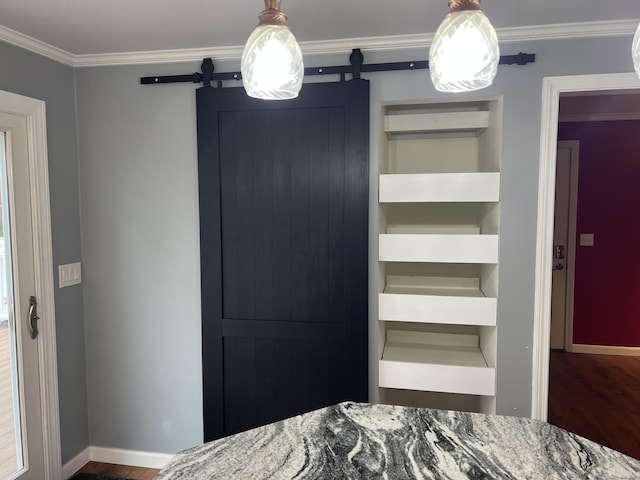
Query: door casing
(34, 112)
(571, 189)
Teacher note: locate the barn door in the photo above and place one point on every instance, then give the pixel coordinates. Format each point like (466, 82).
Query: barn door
(283, 239)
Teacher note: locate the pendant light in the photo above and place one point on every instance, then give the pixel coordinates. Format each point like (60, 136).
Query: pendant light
(635, 50)
(271, 65)
(464, 54)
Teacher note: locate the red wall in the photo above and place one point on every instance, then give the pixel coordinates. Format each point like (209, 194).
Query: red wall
(607, 275)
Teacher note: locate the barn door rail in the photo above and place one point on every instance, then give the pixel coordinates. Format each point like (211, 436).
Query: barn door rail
(355, 69)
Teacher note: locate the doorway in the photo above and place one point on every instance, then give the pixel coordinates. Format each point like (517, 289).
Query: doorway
(35, 432)
(553, 87)
(600, 371)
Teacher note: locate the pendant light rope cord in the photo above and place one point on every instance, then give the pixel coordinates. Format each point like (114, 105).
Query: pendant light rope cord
(462, 5)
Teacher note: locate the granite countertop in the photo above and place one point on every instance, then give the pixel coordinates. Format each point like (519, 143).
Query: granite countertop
(363, 441)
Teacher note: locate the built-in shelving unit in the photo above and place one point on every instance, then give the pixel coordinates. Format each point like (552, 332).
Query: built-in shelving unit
(439, 195)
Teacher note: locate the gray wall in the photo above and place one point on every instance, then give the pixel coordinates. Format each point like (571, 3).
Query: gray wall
(32, 75)
(138, 177)
(139, 191)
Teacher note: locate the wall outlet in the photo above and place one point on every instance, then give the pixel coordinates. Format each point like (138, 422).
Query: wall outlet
(69, 274)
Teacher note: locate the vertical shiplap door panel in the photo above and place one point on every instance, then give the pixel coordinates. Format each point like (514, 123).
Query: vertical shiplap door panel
(284, 234)
(282, 211)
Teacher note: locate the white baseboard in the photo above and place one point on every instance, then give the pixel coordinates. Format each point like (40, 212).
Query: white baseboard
(115, 455)
(129, 457)
(607, 350)
(76, 463)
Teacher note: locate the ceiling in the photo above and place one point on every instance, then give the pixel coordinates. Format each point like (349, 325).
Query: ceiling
(90, 27)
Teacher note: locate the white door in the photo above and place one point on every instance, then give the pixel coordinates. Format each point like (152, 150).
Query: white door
(564, 245)
(23, 354)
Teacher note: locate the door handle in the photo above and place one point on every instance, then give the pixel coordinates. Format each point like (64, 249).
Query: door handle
(558, 266)
(33, 316)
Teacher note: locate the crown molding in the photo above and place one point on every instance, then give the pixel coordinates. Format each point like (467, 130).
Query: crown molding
(613, 28)
(36, 46)
(321, 47)
(560, 31)
(157, 56)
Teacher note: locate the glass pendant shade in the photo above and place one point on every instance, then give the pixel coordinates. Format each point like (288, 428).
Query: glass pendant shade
(465, 54)
(271, 65)
(635, 50)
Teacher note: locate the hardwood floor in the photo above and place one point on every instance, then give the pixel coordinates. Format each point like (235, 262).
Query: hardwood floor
(597, 397)
(134, 473)
(7, 432)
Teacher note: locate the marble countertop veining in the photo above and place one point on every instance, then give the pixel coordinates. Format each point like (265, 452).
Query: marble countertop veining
(363, 441)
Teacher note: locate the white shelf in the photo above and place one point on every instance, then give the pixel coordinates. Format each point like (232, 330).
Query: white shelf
(436, 300)
(414, 229)
(442, 306)
(450, 363)
(439, 248)
(436, 122)
(440, 187)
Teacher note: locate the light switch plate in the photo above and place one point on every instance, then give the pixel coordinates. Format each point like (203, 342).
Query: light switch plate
(586, 239)
(69, 274)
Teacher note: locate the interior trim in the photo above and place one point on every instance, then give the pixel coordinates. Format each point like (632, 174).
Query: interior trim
(117, 456)
(133, 458)
(574, 145)
(36, 46)
(607, 350)
(76, 463)
(610, 28)
(43, 265)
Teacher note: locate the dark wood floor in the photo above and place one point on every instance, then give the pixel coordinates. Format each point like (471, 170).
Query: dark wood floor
(134, 473)
(597, 397)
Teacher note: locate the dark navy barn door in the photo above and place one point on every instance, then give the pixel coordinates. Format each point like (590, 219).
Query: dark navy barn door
(283, 240)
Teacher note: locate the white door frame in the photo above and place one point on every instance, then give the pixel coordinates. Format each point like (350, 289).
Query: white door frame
(34, 112)
(552, 87)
